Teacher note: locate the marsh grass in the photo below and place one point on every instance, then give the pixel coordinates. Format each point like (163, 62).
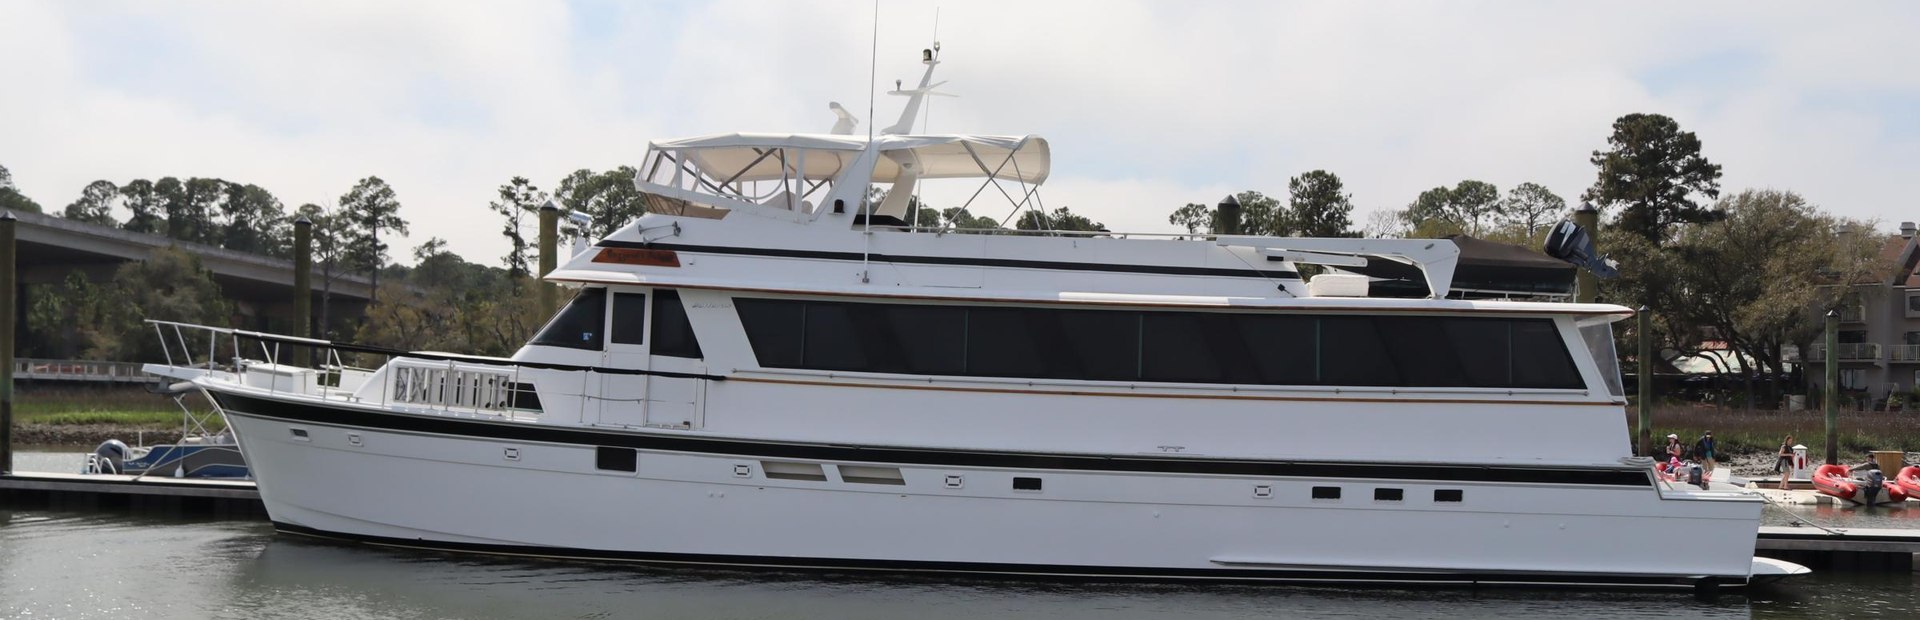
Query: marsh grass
(1750, 431)
(119, 406)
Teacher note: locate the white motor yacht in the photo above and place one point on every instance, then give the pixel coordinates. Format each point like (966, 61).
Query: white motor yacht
(772, 369)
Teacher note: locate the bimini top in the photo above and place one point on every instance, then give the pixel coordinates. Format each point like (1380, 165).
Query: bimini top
(774, 156)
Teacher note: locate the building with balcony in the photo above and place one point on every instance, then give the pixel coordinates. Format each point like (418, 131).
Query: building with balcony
(1879, 339)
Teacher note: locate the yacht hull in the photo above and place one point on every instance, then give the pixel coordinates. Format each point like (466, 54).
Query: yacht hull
(470, 484)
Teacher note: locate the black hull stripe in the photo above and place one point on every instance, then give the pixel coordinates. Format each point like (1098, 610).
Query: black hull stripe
(1047, 571)
(955, 260)
(520, 431)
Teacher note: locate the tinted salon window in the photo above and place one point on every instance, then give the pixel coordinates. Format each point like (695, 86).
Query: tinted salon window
(672, 333)
(581, 325)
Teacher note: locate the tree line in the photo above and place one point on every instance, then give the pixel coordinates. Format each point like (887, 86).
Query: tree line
(1750, 271)
(441, 301)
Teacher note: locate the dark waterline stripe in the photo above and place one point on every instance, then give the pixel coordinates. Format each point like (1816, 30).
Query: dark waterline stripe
(955, 260)
(511, 431)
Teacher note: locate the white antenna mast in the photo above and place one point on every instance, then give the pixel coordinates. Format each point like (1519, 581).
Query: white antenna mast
(926, 119)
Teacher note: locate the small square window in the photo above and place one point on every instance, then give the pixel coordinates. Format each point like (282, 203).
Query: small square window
(1326, 492)
(1388, 495)
(616, 459)
(1026, 484)
(1449, 495)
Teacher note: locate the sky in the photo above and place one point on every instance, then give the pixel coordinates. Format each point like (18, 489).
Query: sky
(1147, 104)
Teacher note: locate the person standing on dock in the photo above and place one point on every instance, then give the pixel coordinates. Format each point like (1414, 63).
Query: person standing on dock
(1703, 450)
(1783, 459)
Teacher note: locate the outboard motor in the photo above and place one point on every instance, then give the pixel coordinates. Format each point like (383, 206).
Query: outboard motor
(1871, 486)
(1573, 244)
(109, 457)
(1696, 476)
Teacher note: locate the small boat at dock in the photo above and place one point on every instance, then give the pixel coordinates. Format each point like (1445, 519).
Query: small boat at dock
(1908, 480)
(201, 451)
(1838, 481)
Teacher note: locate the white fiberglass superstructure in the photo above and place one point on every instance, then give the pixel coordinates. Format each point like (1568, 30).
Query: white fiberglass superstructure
(776, 367)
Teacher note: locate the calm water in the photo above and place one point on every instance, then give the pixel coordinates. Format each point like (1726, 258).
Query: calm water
(87, 565)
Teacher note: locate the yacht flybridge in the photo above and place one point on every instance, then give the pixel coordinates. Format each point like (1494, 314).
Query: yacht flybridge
(779, 366)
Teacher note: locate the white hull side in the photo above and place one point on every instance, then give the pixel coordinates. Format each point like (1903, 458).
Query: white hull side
(445, 489)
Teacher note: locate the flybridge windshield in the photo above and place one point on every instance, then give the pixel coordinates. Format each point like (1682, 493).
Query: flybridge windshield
(795, 172)
(781, 177)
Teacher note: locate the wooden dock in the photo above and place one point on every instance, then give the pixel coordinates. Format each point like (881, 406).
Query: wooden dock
(1842, 549)
(146, 494)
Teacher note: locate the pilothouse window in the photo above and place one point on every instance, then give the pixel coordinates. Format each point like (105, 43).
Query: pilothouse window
(672, 333)
(581, 325)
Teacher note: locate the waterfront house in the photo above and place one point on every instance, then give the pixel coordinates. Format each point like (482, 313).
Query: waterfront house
(1879, 338)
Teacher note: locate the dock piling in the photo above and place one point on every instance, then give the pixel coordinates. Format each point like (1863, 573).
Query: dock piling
(1586, 285)
(8, 293)
(1645, 428)
(1831, 396)
(549, 242)
(302, 284)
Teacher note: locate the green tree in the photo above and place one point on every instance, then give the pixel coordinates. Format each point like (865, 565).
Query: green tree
(1194, 217)
(1652, 172)
(1529, 209)
(1318, 205)
(10, 197)
(518, 200)
(1261, 214)
(253, 221)
(143, 198)
(170, 285)
(64, 321)
(1061, 219)
(190, 207)
(609, 199)
(368, 209)
(960, 218)
(329, 255)
(1463, 208)
(95, 205)
(1756, 280)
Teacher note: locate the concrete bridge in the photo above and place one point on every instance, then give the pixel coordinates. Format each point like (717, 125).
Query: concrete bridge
(260, 287)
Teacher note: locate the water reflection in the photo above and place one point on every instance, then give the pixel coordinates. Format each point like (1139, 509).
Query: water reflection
(68, 565)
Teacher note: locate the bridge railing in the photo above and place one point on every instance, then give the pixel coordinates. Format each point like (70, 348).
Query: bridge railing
(79, 370)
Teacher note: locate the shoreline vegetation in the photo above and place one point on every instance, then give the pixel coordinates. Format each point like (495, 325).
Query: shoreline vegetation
(85, 416)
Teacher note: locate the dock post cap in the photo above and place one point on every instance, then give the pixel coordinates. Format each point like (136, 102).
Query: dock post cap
(1833, 313)
(1586, 206)
(551, 205)
(303, 220)
(8, 216)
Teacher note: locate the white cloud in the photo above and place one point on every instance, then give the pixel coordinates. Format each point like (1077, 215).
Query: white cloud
(1149, 104)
